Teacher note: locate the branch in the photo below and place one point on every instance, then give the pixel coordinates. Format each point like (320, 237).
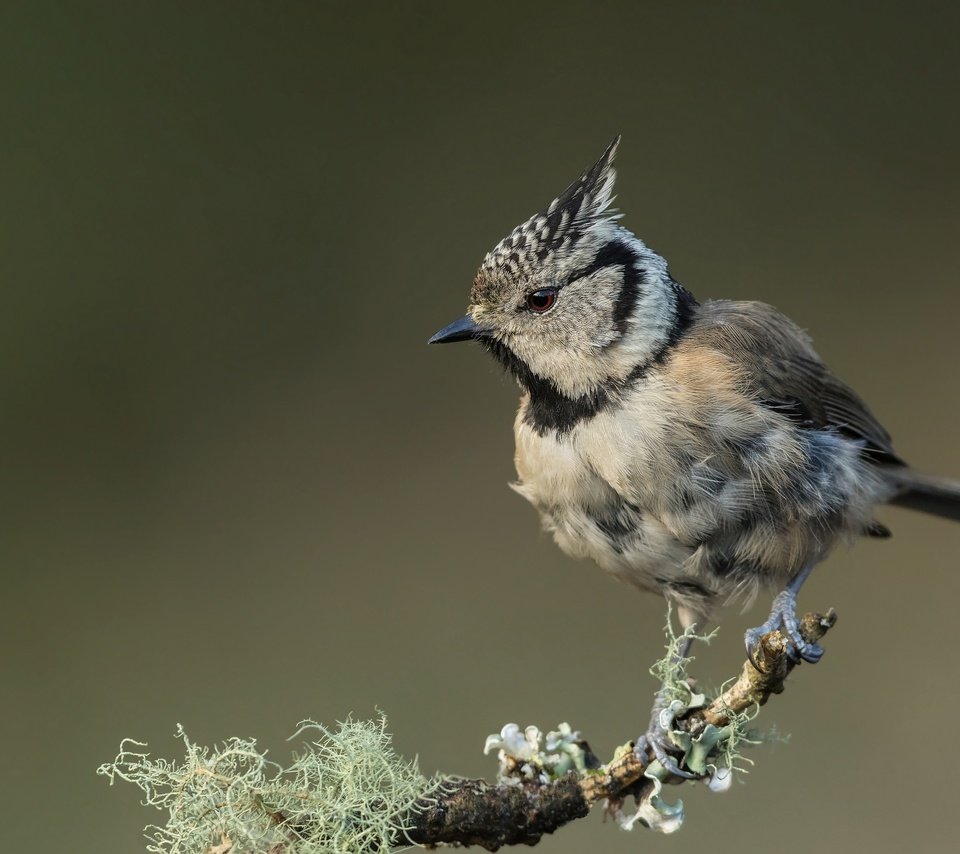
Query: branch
(348, 791)
(472, 812)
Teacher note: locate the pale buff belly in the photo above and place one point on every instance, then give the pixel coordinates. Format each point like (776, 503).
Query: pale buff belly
(589, 519)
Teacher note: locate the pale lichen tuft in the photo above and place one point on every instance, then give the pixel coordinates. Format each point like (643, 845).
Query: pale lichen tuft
(347, 791)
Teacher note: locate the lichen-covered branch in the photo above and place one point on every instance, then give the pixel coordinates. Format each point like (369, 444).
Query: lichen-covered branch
(349, 792)
(754, 687)
(472, 812)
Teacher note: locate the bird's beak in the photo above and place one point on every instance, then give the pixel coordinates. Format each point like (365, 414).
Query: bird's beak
(464, 329)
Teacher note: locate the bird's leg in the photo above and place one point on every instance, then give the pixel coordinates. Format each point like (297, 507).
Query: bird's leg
(656, 739)
(783, 615)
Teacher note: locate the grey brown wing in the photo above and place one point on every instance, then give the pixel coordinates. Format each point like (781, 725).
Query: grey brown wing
(788, 376)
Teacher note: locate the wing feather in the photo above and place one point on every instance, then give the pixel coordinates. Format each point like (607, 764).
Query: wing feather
(786, 374)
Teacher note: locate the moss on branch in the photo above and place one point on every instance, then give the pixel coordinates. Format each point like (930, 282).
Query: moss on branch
(349, 792)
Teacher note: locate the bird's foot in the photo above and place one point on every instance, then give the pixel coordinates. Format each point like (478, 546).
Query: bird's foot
(783, 616)
(656, 740)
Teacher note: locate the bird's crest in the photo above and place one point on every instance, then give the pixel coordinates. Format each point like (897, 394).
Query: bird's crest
(566, 219)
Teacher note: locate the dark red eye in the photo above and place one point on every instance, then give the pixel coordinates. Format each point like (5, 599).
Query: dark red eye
(542, 300)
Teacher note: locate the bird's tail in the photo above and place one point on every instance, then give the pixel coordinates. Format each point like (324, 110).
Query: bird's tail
(926, 493)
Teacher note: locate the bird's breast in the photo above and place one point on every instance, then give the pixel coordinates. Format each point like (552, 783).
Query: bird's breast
(586, 514)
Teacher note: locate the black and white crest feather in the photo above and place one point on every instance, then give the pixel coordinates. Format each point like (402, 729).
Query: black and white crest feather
(583, 204)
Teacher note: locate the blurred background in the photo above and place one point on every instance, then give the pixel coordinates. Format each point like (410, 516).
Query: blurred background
(238, 488)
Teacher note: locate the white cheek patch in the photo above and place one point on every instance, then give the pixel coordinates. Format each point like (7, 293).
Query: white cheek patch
(579, 348)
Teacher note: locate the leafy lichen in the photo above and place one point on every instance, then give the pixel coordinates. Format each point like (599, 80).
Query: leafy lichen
(714, 753)
(523, 757)
(347, 791)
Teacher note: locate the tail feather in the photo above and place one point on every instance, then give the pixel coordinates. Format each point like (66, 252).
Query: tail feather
(926, 493)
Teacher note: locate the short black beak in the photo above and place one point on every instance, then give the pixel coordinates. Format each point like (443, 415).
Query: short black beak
(463, 329)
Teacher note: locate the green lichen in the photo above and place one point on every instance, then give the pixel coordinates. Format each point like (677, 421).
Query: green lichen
(346, 792)
(524, 755)
(654, 812)
(671, 670)
(714, 753)
(737, 734)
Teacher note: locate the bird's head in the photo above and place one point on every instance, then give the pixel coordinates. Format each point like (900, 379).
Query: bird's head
(570, 298)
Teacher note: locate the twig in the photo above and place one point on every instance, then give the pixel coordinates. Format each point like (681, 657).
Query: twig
(521, 811)
(473, 812)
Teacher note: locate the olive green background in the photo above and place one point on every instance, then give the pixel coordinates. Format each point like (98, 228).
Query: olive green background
(238, 488)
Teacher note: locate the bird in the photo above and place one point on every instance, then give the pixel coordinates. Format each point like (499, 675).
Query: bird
(699, 450)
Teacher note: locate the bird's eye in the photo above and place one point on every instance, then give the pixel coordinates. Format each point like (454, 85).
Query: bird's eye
(542, 300)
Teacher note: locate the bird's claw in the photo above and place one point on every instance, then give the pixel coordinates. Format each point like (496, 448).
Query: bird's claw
(783, 617)
(658, 742)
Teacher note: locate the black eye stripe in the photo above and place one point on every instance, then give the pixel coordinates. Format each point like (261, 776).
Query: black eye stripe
(616, 253)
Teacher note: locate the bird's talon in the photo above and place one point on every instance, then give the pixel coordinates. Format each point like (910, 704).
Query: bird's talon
(752, 642)
(783, 617)
(657, 742)
(811, 652)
